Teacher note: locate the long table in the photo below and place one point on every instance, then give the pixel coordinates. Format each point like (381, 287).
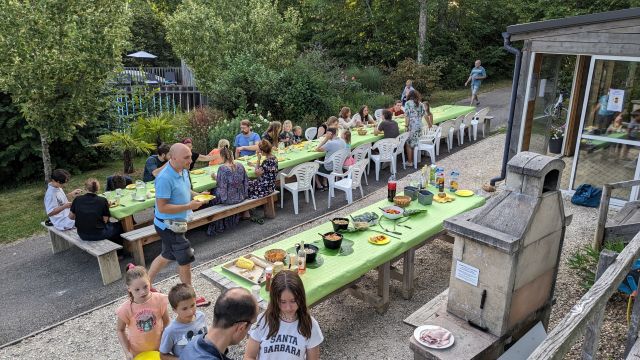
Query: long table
(340, 270)
(128, 207)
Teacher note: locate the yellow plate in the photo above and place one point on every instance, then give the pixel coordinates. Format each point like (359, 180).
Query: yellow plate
(464, 193)
(379, 239)
(203, 198)
(197, 172)
(131, 187)
(148, 355)
(282, 159)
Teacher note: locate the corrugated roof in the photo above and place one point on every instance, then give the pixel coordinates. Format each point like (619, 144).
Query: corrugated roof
(608, 16)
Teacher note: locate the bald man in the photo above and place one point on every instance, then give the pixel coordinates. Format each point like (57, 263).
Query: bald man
(233, 314)
(173, 206)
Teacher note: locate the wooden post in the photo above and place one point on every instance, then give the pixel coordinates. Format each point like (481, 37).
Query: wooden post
(632, 333)
(602, 216)
(592, 335)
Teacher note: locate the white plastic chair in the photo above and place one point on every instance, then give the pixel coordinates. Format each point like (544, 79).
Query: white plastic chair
(438, 135)
(362, 152)
(426, 143)
(479, 118)
(304, 174)
(352, 181)
(402, 139)
(378, 115)
(458, 124)
(311, 133)
(466, 124)
(333, 163)
(446, 130)
(386, 153)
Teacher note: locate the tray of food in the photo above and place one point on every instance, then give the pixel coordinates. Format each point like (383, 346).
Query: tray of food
(248, 267)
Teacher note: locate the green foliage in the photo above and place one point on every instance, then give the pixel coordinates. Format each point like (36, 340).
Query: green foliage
(371, 78)
(585, 261)
(426, 77)
(200, 120)
(125, 144)
(57, 56)
(149, 32)
(537, 10)
(248, 40)
(156, 129)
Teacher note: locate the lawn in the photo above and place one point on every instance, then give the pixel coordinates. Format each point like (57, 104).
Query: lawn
(22, 208)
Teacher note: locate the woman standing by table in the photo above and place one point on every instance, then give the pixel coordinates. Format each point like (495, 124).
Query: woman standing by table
(414, 111)
(286, 330)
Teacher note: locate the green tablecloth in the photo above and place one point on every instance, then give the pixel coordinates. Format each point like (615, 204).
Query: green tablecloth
(204, 181)
(338, 270)
(448, 112)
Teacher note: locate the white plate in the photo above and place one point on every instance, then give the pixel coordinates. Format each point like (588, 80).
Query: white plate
(420, 329)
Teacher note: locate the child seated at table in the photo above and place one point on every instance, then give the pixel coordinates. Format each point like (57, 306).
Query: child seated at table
(286, 135)
(188, 323)
(285, 330)
(346, 136)
(217, 160)
(297, 135)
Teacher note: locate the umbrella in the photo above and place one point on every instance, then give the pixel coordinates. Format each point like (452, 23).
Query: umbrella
(142, 55)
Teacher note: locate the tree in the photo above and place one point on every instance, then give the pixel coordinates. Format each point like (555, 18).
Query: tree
(57, 56)
(225, 44)
(422, 30)
(127, 145)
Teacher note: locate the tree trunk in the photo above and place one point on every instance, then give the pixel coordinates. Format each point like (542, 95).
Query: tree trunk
(46, 157)
(422, 30)
(128, 162)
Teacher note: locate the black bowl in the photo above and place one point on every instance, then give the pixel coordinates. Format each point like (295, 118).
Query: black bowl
(337, 227)
(311, 258)
(332, 244)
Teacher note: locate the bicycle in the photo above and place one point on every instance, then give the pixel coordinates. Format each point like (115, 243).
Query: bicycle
(556, 110)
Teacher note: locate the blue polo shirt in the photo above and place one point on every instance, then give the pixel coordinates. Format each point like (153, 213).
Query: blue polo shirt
(477, 72)
(175, 187)
(202, 349)
(246, 140)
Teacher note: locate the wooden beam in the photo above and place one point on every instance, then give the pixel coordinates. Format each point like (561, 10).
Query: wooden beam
(569, 329)
(602, 216)
(575, 108)
(592, 336)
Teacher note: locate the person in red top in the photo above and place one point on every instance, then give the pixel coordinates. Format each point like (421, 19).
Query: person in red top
(396, 109)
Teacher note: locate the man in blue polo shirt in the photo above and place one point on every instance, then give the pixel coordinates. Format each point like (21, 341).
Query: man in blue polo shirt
(246, 143)
(173, 206)
(477, 74)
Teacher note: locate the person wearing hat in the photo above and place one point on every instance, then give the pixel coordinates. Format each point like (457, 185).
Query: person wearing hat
(195, 156)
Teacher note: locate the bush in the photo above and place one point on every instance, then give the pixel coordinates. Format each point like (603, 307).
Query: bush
(199, 121)
(228, 129)
(585, 261)
(426, 77)
(370, 77)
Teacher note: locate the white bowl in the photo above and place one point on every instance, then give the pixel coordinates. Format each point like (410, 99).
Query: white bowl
(392, 216)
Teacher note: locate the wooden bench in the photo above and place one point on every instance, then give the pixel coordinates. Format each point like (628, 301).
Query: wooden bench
(104, 250)
(139, 237)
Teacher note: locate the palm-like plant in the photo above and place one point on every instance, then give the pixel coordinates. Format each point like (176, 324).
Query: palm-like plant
(154, 129)
(127, 145)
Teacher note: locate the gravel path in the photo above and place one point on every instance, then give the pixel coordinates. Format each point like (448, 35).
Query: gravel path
(352, 329)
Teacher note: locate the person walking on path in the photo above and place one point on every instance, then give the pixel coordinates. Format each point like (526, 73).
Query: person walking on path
(173, 206)
(476, 76)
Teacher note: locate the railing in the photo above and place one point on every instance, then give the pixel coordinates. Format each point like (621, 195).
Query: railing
(138, 100)
(586, 316)
(138, 75)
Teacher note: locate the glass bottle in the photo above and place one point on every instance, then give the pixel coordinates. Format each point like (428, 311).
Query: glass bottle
(302, 259)
(267, 277)
(391, 187)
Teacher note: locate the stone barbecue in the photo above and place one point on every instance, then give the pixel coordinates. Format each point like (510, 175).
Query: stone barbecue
(506, 253)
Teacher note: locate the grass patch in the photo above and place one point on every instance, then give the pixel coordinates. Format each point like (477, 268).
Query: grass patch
(447, 97)
(585, 261)
(22, 208)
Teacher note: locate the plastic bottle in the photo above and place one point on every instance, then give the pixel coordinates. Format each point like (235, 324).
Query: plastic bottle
(432, 174)
(267, 277)
(391, 187)
(302, 259)
(453, 181)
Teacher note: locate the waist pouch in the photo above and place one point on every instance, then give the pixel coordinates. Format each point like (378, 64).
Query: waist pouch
(177, 226)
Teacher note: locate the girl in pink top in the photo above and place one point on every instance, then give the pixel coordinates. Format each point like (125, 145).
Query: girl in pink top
(143, 317)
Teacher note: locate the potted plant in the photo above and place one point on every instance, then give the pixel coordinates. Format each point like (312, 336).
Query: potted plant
(556, 133)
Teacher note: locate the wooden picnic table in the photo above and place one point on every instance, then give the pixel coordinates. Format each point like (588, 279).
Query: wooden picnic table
(340, 270)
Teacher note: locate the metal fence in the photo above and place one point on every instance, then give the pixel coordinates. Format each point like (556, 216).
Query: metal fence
(133, 101)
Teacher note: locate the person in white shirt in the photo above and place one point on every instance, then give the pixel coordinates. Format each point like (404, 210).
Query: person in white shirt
(363, 116)
(345, 121)
(56, 203)
(286, 330)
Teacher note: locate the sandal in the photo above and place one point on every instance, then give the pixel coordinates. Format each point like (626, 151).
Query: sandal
(257, 220)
